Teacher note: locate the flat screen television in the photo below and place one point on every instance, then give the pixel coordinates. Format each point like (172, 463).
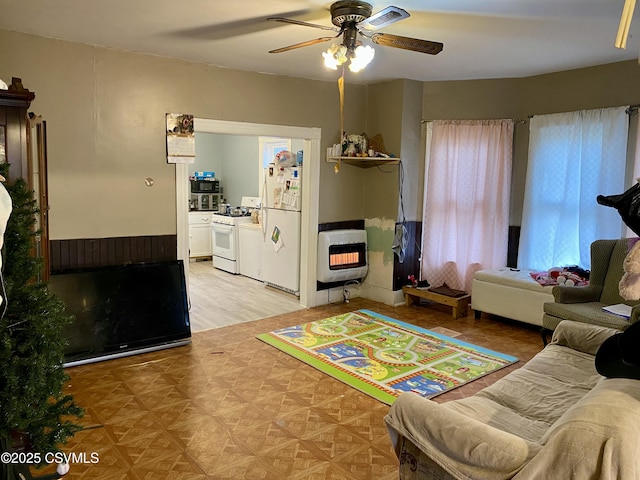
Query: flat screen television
(123, 310)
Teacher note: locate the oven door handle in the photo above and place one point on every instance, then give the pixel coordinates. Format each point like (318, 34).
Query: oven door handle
(222, 228)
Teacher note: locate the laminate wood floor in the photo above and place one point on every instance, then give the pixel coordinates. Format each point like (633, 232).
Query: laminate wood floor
(229, 406)
(218, 298)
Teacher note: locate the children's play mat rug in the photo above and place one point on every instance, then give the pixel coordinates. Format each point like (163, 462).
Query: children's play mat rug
(384, 357)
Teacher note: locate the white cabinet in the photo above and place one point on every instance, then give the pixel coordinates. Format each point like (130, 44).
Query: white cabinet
(250, 254)
(200, 234)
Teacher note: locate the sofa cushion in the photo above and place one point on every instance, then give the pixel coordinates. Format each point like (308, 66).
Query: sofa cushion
(533, 397)
(596, 438)
(587, 312)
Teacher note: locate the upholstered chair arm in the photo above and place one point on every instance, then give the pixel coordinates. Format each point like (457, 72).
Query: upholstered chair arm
(564, 294)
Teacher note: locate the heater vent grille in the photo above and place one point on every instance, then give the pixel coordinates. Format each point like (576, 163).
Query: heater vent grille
(347, 256)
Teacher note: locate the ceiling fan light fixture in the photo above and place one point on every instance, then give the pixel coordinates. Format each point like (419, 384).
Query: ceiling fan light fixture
(352, 18)
(362, 56)
(334, 56)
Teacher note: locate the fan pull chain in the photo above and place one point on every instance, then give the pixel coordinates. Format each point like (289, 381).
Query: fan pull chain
(336, 168)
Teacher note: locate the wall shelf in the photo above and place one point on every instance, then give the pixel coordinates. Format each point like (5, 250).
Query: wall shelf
(364, 162)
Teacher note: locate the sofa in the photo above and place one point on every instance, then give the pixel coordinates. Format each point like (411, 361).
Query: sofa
(554, 417)
(584, 304)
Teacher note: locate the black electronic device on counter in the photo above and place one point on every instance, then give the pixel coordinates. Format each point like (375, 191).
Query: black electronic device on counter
(123, 310)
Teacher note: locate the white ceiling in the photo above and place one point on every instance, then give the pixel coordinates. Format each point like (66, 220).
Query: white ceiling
(482, 39)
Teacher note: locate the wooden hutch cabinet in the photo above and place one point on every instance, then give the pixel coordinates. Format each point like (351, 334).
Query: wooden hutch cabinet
(14, 104)
(23, 146)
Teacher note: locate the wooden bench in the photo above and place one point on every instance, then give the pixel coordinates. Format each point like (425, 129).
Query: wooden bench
(460, 304)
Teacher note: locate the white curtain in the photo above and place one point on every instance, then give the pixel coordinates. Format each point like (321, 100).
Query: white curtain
(573, 158)
(634, 152)
(466, 202)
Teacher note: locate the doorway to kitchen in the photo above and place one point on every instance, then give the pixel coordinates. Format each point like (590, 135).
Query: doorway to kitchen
(242, 287)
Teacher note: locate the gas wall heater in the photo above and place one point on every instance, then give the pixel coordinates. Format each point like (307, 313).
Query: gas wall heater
(342, 255)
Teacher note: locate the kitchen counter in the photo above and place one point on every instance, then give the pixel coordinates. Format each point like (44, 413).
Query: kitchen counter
(251, 226)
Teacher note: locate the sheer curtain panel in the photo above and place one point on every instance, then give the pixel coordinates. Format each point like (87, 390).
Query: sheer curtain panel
(573, 157)
(466, 202)
(633, 147)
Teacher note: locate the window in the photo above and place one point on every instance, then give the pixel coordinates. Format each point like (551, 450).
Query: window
(573, 157)
(268, 147)
(466, 203)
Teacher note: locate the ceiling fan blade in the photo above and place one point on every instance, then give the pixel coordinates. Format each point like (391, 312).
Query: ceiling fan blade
(384, 17)
(300, 22)
(407, 43)
(302, 44)
(222, 31)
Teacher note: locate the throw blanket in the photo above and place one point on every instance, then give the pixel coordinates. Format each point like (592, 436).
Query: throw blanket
(564, 276)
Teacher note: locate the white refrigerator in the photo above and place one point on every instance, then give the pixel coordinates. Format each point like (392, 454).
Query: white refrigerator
(281, 202)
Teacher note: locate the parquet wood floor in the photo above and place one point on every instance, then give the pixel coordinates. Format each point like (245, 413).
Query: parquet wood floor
(229, 406)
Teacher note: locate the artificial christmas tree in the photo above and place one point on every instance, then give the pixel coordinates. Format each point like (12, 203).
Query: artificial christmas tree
(33, 407)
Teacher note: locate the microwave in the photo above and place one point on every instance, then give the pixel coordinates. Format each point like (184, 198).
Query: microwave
(205, 186)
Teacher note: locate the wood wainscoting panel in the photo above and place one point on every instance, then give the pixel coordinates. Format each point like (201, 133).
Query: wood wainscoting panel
(99, 252)
(347, 224)
(411, 261)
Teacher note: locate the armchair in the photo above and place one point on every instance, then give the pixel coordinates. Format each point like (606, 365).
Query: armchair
(584, 304)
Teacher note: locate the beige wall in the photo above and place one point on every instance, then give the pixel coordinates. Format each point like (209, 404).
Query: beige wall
(105, 123)
(385, 104)
(595, 87)
(105, 112)
(394, 110)
(412, 151)
(105, 120)
(384, 117)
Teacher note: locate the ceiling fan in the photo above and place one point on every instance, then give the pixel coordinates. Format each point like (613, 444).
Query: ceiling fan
(353, 17)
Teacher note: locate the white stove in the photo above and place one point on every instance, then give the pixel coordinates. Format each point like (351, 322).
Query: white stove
(230, 219)
(225, 237)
